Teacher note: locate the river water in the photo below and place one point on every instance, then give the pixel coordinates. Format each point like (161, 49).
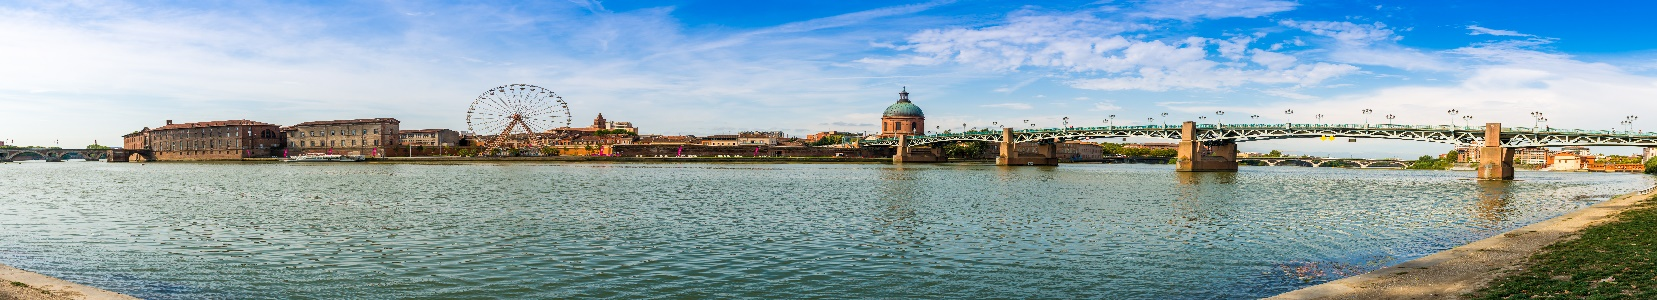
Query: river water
(601, 230)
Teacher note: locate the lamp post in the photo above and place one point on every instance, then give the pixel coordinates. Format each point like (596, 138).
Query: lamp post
(1366, 117)
(1066, 124)
(1254, 117)
(1320, 118)
(1468, 121)
(1452, 113)
(1164, 120)
(1150, 121)
(1287, 121)
(1536, 116)
(1219, 118)
(1389, 119)
(1631, 119)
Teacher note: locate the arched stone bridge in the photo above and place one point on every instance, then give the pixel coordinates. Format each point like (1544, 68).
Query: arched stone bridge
(114, 155)
(1212, 147)
(53, 154)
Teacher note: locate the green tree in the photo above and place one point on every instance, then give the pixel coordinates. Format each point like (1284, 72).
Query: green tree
(969, 149)
(1274, 153)
(1651, 166)
(96, 146)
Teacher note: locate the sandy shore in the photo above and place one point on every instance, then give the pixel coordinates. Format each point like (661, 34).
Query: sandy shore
(1461, 270)
(19, 284)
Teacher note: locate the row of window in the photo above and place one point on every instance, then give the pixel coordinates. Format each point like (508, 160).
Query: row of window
(899, 126)
(328, 143)
(335, 132)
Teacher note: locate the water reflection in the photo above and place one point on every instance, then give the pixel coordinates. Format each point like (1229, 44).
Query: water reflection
(1203, 197)
(1492, 209)
(627, 231)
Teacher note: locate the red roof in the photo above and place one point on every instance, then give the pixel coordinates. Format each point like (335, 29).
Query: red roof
(213, 124)
(355, 121)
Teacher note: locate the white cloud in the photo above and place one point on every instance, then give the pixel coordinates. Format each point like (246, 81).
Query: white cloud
(1214, 9)
(1368, 44)
(1016, 86)
(1105, 55)
(1272, 60)
(1014, 105)
(1478, 30)
(1105, 106)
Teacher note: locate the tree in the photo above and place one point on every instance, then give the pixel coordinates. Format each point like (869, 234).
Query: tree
(96, 146)
(968, 149)
(1274, 153)
(1651, 166)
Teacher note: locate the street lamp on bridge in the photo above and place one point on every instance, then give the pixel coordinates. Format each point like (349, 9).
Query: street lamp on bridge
(1468, 120)
(1320, 118)
(1536, 116)
(1366, 117)
(1066, 123)
(1452, 113)
(1164, 119)
(1219, 118)
(1287, 121)
(1389, 118)
(1631, 119)
(1254, 117)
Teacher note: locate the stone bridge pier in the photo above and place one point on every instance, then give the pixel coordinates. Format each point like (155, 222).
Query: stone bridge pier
(1211, 156)
(1495, 161)
(906, 154)
(1047, 153)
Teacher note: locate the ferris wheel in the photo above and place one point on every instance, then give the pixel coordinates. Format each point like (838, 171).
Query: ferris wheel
(517, 114)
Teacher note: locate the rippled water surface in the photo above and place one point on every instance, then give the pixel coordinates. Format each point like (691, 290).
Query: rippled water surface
(595, 230)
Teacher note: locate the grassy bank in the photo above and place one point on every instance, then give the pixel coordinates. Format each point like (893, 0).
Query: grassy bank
(1615, 260)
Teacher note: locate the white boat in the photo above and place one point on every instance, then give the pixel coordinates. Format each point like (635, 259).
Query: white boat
(319, 157)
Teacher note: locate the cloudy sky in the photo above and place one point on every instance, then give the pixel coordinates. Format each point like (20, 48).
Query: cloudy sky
(76, 71)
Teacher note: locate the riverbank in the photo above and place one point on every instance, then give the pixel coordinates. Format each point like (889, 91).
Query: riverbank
(24, 285)
(1459, 271)
(1615, 259)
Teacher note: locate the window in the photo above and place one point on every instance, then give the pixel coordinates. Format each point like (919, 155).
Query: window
(376, 131)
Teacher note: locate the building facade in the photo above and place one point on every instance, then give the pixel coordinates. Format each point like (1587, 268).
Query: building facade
(359, 136)
(215, 140)
(758, 138)
(1532, 156)
(429, 137)
(902, 118)
(721, 140)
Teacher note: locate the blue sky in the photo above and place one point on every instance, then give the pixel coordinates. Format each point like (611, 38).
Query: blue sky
(78, 71)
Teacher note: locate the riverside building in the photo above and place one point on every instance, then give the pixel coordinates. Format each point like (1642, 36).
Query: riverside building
(359, 136)
(902, 118)
(430, 137)
(215, 140)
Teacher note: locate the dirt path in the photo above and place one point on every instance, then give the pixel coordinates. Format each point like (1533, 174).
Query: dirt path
(1461, 270)
(24, 285)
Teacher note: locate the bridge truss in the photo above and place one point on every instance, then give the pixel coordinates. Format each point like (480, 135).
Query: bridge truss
(1515, 137)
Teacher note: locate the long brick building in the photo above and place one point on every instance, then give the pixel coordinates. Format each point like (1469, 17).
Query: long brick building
(360, 136)
(230, 139)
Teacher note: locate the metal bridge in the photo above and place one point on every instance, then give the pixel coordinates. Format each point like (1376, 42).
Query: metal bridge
(1511, 137)
(1319, 162)
(1213, 147)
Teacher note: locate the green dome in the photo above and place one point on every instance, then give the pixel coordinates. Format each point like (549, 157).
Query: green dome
(903, 109)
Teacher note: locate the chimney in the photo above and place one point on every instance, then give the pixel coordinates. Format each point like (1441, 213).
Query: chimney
(169, 122)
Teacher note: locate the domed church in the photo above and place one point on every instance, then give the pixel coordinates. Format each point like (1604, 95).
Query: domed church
(902, 118)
